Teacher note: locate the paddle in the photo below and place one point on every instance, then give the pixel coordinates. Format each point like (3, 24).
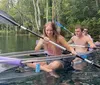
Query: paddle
(91, 62)
(61, 26)
(16, 61)
(83, 46)
(2, 14)
(12, 61)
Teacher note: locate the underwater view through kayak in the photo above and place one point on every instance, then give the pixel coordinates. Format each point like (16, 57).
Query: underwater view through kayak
(90, 75)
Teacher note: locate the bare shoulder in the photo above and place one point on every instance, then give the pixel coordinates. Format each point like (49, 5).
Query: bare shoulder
(61, 40)
(60, 37)
(86, 38)
(73, 37)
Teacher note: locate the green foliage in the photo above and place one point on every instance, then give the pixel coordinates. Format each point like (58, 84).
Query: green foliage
(67, 12)
(84, 12)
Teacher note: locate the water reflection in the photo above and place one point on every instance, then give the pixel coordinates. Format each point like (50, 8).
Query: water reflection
(13, 43)
(88, 76)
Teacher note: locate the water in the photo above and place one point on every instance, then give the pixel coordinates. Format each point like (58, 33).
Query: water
(89, 76)
(13, 43)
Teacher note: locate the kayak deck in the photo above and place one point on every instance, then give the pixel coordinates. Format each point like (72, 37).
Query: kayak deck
(10, 75)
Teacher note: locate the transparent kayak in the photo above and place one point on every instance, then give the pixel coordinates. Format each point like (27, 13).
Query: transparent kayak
(9, 74)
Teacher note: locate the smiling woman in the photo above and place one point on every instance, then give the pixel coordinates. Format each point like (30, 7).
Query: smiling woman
(50, 34)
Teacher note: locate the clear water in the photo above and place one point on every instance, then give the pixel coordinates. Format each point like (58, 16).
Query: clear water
(90, 75)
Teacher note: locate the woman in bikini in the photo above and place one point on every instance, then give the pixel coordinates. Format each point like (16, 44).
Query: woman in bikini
(50, 33)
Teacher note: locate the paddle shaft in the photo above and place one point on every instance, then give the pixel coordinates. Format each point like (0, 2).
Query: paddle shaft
(88, 61)
(13, 22)
(67, 30)
(15, 61)
(60, 25)
(84, 46)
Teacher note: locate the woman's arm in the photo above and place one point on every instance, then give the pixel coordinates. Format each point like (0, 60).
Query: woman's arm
(39, 45)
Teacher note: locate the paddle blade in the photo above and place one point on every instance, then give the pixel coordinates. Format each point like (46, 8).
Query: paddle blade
(7, 19)
(12, 61)
(3, 20)
(61, 26)
(58, 24)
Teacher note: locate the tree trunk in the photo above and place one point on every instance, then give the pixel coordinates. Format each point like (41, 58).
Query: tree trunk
(97, 4)
(35, 11)
(47, 8)
(39, 19)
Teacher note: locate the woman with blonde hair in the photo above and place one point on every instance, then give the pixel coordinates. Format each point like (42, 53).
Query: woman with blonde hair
(50, 33)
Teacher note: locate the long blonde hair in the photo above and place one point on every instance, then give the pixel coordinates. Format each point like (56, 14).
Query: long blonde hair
(55, 32)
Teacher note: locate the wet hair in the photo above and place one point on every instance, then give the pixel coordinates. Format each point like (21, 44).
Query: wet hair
(79, 27)
(55, 32)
